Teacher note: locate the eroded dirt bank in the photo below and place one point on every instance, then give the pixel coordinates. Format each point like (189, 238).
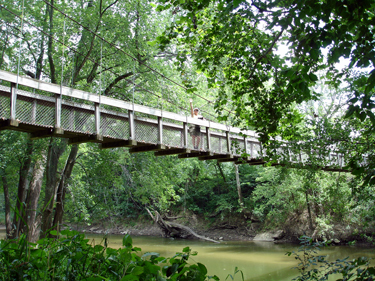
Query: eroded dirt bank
(236, 228)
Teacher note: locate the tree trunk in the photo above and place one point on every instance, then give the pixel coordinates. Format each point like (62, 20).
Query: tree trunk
(22, 186)
(239, 191)
(222, 173)
(309, 210)
(61, 190)
(8, 222)
(31, 227)
(54, 153)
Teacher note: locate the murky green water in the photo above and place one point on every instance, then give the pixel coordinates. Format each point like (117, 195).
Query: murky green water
(258, 260)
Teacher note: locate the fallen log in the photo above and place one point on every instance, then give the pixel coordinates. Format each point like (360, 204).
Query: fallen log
(172, 229)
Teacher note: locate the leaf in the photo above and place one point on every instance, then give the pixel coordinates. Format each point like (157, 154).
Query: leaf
(152, 43)
(202, 268)
(313, 77)
(370, 82)
(350, 111)
(127, 241)
(372, 117)
(362, 116)
(186, 250)
(130, 277)
(138, 270)
(236, 3)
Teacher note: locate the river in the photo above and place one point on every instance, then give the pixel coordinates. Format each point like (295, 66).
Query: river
(259, 261)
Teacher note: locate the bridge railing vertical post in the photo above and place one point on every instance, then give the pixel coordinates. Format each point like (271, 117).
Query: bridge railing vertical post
(160, 130)
(97, 121)
(208, 136)
(245, 146)
(185, 132)
(13, 104)
(58, 103)
(228, 142)
(131, 125)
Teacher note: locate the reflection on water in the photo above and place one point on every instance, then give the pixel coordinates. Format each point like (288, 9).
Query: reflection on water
(258, 260)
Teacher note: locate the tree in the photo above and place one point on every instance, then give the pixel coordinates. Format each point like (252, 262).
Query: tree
(57, 42)
(236, 44)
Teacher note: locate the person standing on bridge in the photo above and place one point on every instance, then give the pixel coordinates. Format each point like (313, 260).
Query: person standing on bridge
(196, 130)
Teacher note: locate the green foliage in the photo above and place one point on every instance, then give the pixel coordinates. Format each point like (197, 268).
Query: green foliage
(316, 267)
(71, 256)
(234, 44)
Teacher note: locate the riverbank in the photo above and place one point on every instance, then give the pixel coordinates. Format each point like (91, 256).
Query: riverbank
(231, 228)
(236, 228)
(144, 226)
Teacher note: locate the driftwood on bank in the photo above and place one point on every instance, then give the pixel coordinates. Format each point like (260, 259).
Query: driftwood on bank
(171, 229)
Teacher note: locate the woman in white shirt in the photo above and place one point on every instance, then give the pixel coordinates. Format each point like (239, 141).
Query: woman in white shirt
(196, 133)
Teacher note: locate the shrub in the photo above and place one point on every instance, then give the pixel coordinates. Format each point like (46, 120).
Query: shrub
(70, 256)
(315, 267)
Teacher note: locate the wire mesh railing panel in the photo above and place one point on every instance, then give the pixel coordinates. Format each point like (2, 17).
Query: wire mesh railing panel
(294, 156)
(114, 126)
(334, 160)
(77, 120)
(190, 144)
(173, 136)
(26, 110)
(36, 112)
(237, 146)
(146, 132)
(4, 107)
(224, 145)
(283, 154)
(216, 143)
(202, 142)
(255, 150)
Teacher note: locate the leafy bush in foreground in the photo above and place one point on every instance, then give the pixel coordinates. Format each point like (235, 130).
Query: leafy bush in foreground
(72, 257)
(315, 267)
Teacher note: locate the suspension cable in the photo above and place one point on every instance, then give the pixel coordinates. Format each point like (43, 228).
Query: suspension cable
(94, 61)
(19, 53)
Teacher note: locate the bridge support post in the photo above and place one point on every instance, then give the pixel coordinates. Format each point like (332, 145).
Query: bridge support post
(160, 130)
(13, 103)
(228, 142)
(185, 134)
(245, 144)
(131, 125)
(58, 102)
(97, 119)
(208, 135)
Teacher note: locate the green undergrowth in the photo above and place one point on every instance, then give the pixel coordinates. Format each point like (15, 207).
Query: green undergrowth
(70, 256)
(314, 267)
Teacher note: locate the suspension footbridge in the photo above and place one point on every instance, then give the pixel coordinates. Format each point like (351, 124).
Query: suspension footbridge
(72, 51)
(49, 110)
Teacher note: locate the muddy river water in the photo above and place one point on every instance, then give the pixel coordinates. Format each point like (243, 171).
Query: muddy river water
(258, 261)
